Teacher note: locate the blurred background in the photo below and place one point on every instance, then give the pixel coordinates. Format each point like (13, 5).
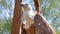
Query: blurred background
(50, 10)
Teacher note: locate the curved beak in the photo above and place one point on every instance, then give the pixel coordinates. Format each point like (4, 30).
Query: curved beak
(22, 4)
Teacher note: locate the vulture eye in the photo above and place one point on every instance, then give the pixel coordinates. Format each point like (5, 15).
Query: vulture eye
(26, 4)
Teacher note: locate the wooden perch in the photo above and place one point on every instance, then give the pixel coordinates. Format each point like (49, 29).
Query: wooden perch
(17, 17)
(37, 5)
(42, 26)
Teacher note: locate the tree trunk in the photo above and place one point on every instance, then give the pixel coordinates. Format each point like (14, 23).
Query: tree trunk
(17, 17)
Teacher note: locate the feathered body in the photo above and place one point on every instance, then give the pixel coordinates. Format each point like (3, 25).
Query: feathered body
(28, 15)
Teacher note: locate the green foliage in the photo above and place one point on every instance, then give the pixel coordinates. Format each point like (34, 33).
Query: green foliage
(58, 0)
(53, 4)
(6, 25)
(2, 26)
(57, 32)
(6, 16)
(5, 4)
(9, 25)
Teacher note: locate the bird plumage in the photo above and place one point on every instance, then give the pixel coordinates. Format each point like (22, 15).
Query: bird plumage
(28, 14)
